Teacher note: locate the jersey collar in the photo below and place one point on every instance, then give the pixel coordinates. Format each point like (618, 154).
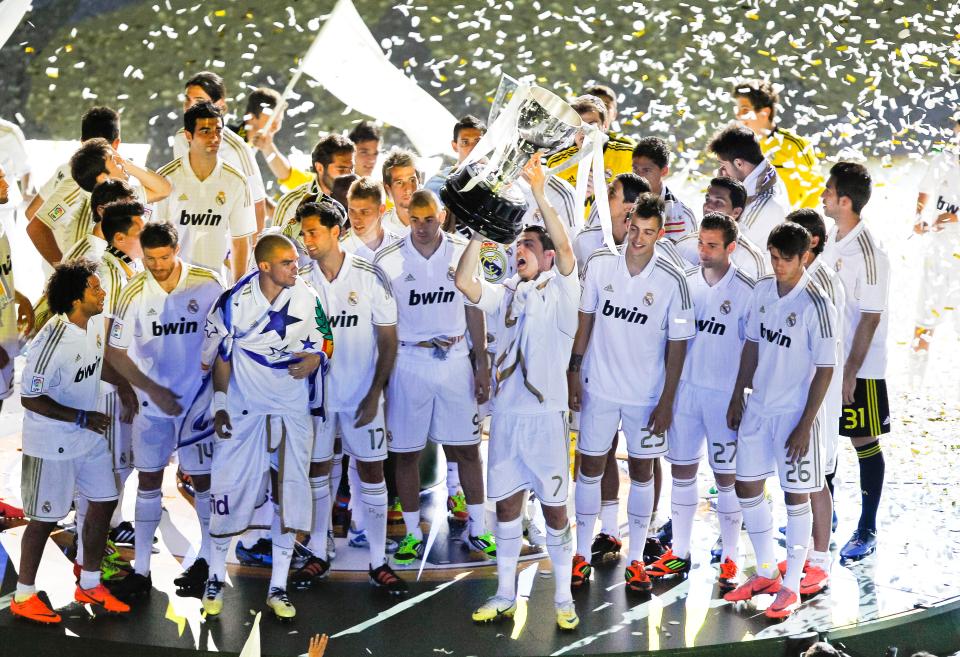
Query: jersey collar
(645, 272)
(801, 285)
(849, 237)
(189, 169)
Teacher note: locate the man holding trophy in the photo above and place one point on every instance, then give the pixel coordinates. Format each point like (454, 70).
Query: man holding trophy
(536, 315)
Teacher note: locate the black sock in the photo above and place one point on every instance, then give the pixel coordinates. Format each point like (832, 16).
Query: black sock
(830, 482)
(870, 458)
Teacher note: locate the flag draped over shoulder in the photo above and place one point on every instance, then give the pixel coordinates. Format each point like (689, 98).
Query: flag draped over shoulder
(347, 60)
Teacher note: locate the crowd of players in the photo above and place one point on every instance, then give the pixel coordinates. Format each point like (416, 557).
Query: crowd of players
(188, 314)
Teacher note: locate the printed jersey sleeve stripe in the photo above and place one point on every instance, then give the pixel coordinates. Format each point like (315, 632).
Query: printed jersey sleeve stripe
(240, 148)
(170, 167)
(50, 348)
(232, 170)
(746, 279)
(823, 315)
(376, 271)
(129, 293)
(681, 280)
(869, 258)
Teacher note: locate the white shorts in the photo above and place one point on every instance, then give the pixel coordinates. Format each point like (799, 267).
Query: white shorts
(431, 398)
(366, 443)
(699, 418)
(155, 440)
(48, 486)
(939, 297)
(241, 472)
(529, 452)
(119, 435)
(600, 419)
(762, 447)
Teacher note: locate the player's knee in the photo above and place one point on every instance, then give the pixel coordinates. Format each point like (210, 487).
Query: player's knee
(592, 466)
(556, 516)
(319, 469)
(371, 472)
(201, 483)
(466, 455)
(509, 509)
(641, 469)
(152, 480)
(796, 498)
(748, 489)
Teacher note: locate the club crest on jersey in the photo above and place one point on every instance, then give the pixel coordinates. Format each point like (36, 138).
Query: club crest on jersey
(353, 298)
(492, 261)
(46, 507)
(193, 306)
(221, 198)
(451, 273)
(99, 342)
(792, 319)
(838, 265)
(57, 212)
(648, 299)
(725, 307)
(36, 384)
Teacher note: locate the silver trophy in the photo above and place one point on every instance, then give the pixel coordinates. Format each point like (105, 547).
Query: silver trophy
(492, 205)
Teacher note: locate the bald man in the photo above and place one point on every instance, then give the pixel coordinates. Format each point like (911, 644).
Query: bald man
(275, 337)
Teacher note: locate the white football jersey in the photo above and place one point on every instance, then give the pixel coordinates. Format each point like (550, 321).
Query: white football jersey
(235, 152)
(9, 334)
(796, 334)
(591, 239)
(429, 305)
(941, 183)
(163, 333)
(392, 223)
(864, 269)
(208, 213)
(260, 339)
(713, 356)
(678, 220)
(350, 243)
(539, 385)
(767, 204)
(830, 283)
(64, 363)
(357, 301)
(635, 316)
(747, 256)
(14, 160)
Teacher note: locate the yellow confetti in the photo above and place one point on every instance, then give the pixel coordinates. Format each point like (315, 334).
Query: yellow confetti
(220, 12)
(850, 78)
(573, 67)
(29, 49)
(68, 48)
(435, 19)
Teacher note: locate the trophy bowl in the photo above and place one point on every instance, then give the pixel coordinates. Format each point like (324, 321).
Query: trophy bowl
(494, 207)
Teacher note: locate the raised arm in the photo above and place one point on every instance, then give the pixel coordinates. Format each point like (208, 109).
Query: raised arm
(537, 177)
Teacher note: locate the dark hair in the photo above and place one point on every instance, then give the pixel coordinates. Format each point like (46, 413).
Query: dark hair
(654, 149)
(325, 212)
(649, 206)
(118, 218)
(853, 181)
(468, 121)
(268, 244)
(423, 198)
(89, 162)
(364, 131)
(68, 284)
(199, 111)
(108, 191)
(329, 146)
(588, 103)
(813, 222)
(397, 157)
(633, 185)
(790, 239)
(721, 222)
(736, 142)
(603, 92)
(367, 188)
(101, 122)
(260, 99)
(738, 193)
(822, 649)
(158, 235)
(542, 235)
(760, 93)
(210, 82)
(341, 185)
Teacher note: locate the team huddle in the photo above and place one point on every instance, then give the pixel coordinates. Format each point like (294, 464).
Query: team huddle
(262, 345)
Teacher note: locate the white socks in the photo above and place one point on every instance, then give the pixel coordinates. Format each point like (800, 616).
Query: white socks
(453, 478)
(509, 540)
(730, 516)
(639, 510)
(373, 506)
(478, 521)
(759, 520)
(146, 517)
(587, 500)
(683, 506)
(81, 505)
(218, 557)
(283, 551)
(357, 518)
(320, 489)
(202, 507)
(560, 549)
(412, 520)
(609, 518)
(799, 526)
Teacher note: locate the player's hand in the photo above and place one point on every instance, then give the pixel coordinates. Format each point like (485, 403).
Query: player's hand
(849, 387)
(481, 384)
(166, 400)
(534, 174)
(221, 424)
(574, 391)
(945, 218)
(798, 444)
(318, 645)
(735, 412)
(25, 317)
(129, 404)
(367, 410)
(307, 365)
(97, 422)
(661, 418)
(920, 227)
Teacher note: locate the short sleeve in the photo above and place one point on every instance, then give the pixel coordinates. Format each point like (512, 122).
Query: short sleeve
(590, 297)
(874, 284)
(124, 319)
(491, 295)
(56, 209)
(214, 331)
(383, 307)
(753, 316)
(41, 369)
(243, 219)
(822, 333)
(18, 153)
(681, 324)
(49, 187)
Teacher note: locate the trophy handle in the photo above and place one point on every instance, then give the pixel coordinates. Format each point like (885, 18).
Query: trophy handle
(512, 163)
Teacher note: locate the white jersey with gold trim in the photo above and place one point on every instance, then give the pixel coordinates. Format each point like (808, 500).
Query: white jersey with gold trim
(9, 333)
(350, 243)
(235, 152)
(747, 256)
(14, 160)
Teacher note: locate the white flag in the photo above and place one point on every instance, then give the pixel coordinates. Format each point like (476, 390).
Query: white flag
(252, 647)
(348, 61)
(11, 13)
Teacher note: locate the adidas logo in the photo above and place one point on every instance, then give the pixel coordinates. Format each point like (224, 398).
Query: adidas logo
(608, 288)
(409, 278)
(183, 197)
(151, 312)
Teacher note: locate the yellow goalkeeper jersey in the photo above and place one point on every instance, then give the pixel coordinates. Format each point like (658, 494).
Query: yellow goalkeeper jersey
(797, 165)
